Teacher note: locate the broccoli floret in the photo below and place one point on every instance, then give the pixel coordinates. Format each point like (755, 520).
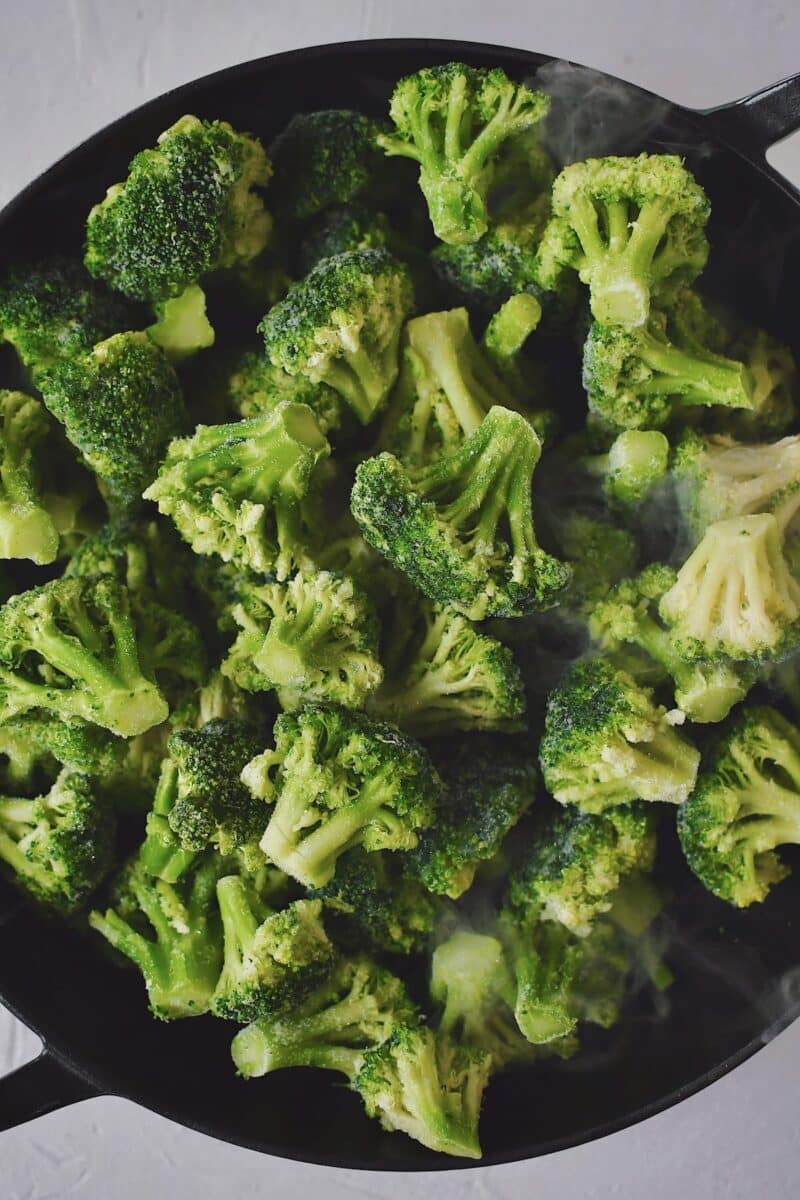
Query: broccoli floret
(144, 555)
(70, 648)
(735, 595)
(462, 528)
(220, 699)
(272, 960)
(33, 746)
(59, 846)
(171, 933)
(633, 228)
(255, 387)
(599, 552)
(237, 490)
(357, 1006)
(340, 229)
(27, 529)
(505, 337)
(544, 958)
(472, 985)
(427, 1086)
(746, 803)
(51, 311)
(457, 122)
(636, 378)
(607, 958)
(489, 786)
(705, 688)
(373, 904)
(201, 800)
(120, 404)
(444, 674)
(314, 637)
(772, 369)
(577, 861)
(635, 462)
(717, 477)
(503, 262)
(187, 208)
(337, 780)
(326, 158)
(341, 326)
(182, 326)
(606, 743)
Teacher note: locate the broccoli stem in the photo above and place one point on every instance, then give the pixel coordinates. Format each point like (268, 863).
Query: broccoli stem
(161, 853)
(292, 643)
(238, 922)
(706, 380)
(620, 270)
(257, 1051)
(26, 531)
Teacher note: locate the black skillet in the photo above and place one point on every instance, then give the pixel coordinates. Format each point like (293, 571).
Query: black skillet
(736, 973)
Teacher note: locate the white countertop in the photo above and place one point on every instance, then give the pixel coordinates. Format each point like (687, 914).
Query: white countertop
(66, 68)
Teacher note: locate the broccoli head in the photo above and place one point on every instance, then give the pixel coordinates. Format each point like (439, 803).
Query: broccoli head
(632, 228)
(187, 208)
(457, 122)
(314, 637)
(746, 803)
(341, 326)
(489, 786)
(338, 779)
(544, 958)
(500, 264)
(237, 490)
(144, 555)
(59, 846)
(461, 528)
(605, 742)
(27, 529)
(342, 228)
(34, 745)
(255, 387)
(600, 553)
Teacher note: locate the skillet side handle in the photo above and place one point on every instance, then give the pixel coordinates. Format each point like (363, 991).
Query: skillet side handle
(756, 122)
(39, 1087)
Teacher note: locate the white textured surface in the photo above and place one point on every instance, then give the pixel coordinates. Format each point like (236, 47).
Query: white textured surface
(66, 68)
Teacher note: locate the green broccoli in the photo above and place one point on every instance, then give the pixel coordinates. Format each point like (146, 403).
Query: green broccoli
(237, 490)
(182, 326)
(636, 461)
(599, 552)
(27, 529)
(59, 846)
(342, 228)
(52, 311)
(489, 786)
(172, 933)
(186, 209)
(338, 779)
(462, 527)
(341, 326)
(70, 648)
(356, 1006)
(314, 637)
(444, 674)
(746, 803)
(457, 122)
(427, 1086)
(373, 904)
(632, 228)
(544, 958)
(120, 403)
(504, 338)
(577, 861)
(255, 387)
(605, 742)
(272, 960)
(144, 555)
(34, 745)
(772, 370)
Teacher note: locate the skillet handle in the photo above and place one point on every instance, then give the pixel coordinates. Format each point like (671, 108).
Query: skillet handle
(756, 122)
(39, 1087)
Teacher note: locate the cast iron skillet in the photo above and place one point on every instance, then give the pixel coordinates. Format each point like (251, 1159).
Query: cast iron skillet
(737, 973)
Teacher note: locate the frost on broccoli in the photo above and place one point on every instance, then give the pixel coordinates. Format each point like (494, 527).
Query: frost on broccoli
(456, 122)
(314, 637)
(237, 490)
(341, 326)
(606, 742)
(337, 780)
(461, 528)
(58, 846)
(633, 228)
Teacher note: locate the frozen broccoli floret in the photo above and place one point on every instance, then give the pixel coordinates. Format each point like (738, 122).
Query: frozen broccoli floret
(773, 374)
(461, 528)
(746, 803)
(237, 490)
(599, 552)
(59, 846)
(255, 387)
(182, 326)
(27, 529)
(337, 780)
(605, 743)
(120, 403)
(314, 637)
(544, 958)
(633, 228)
(457, 122)
(33, 747)
(340, 229)
(635, 462)
(144, 555)
(341, 326)
(489, 785)
(504, 338)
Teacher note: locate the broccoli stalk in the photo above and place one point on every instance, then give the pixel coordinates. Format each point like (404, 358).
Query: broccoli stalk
(635, 462)
(746, 803)
(161, 853)
(338, 780)
(544, 958)
(180, 955)
(182, 327)
(462, 528)
(26, 527)
(455, 121)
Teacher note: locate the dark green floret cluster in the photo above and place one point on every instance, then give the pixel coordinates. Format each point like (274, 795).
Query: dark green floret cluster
(380, 542)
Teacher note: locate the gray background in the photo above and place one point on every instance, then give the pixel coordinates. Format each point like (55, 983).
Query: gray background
(66, 68)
